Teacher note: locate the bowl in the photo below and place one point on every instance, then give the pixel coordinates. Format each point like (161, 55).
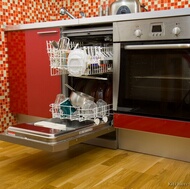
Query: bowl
(78, 98)
(67, 107)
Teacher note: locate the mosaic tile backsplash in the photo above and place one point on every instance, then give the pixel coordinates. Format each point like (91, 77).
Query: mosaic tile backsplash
(31, 11)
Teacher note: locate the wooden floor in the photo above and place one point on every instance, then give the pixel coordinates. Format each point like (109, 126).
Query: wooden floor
(86, 167)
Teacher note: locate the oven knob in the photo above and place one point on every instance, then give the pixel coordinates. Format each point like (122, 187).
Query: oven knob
(138, 33)
(176, 31)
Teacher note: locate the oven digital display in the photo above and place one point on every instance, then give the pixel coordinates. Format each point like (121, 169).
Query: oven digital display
(156, 28)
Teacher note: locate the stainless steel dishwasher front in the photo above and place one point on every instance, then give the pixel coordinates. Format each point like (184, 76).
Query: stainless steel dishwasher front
(58, 143)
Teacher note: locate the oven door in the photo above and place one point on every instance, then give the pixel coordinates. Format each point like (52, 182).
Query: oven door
(152, 79)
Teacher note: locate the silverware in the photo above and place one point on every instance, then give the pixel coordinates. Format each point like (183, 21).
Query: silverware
(64, 43)
(54, 44)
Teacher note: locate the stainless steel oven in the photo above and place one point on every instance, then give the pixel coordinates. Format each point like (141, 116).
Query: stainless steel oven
(152, 68)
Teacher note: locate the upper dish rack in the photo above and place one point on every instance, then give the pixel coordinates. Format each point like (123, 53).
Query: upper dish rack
(76, 60)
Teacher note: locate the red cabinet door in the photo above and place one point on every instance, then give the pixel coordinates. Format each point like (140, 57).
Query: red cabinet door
(32, 88)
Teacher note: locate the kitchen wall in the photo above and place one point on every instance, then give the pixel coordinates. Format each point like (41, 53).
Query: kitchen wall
(31, 11)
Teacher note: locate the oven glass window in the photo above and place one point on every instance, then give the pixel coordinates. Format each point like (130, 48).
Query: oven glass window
(155, 83)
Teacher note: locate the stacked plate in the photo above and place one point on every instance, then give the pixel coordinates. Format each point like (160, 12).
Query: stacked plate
(77, 62)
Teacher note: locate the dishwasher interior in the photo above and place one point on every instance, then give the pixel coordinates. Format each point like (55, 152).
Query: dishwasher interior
(97, 79)
(89, 73)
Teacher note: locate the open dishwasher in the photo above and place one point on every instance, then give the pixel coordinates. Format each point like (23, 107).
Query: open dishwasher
(89, 73)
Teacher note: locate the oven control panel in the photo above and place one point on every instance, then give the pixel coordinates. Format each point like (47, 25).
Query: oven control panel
(157, 29)
(176, 30)
(152, 29)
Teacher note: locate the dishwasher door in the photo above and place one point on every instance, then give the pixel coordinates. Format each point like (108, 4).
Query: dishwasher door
(53, 140)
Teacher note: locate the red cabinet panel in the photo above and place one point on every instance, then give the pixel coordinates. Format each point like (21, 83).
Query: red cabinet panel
(155, 125)
(32, 88)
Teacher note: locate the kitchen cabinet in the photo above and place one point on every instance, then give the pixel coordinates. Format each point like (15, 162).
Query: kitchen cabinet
(32, 88)
(153, 125)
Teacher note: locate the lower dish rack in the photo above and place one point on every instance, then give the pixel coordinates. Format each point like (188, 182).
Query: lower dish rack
(96, 114)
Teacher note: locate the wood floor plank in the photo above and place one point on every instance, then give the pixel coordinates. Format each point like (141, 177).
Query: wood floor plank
(85, 167)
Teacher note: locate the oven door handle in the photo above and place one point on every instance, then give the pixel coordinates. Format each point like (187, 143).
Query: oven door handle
(157, 46)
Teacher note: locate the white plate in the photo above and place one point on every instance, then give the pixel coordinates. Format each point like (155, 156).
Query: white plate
(77, 62)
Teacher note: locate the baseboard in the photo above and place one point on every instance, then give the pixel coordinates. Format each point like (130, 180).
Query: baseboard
(113, 144)
(154, 144)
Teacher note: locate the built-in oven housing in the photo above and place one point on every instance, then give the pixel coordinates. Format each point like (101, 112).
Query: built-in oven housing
(151, 70)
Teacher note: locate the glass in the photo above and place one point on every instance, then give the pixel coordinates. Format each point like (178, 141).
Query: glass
(59, 98)
(155, 83)
(102, 107)
(89, 109)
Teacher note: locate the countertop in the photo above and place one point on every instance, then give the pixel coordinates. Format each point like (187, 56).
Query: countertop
(101, 20)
